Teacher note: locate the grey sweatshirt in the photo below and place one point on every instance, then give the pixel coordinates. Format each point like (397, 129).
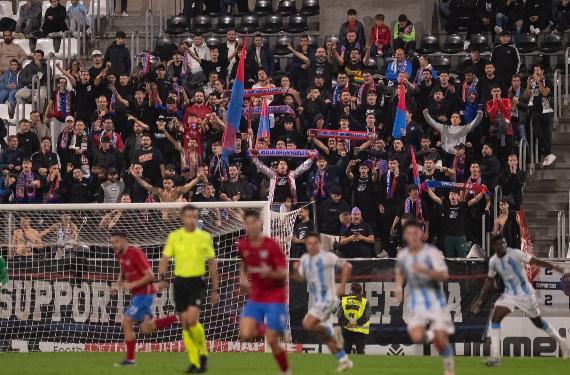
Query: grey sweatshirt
(451, 136)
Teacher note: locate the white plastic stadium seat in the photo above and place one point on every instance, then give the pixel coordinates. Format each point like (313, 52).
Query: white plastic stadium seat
(46, 45)
(4, 114)
(45, 5)
(27, 111)
(73, 48)
(6, 9)
(93, 7)
(25, 44)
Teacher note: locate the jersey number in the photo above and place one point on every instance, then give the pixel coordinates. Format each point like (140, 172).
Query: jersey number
(548, 300)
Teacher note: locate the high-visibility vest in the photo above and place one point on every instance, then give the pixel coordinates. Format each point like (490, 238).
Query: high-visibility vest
(353, 309)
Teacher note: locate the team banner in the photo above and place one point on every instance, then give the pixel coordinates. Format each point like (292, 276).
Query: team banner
(267, 91)
(69, 307)
(340, 134)
(434, 184)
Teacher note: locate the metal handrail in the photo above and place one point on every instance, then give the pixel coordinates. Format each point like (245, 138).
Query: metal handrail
(561, 234)
(566, 64)
(557, 97)
(483, 235)
(51, 74)
(523, 150)
(496, 197)
(35, 92)
(533, 143)
(146, 30)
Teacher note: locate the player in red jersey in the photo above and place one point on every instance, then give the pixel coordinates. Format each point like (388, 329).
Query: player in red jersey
(263, 272)
(137, 278)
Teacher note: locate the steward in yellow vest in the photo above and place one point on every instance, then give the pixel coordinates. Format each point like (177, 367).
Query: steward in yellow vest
(354, 318)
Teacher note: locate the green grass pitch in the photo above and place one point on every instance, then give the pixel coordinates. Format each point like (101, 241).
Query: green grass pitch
(262, 364)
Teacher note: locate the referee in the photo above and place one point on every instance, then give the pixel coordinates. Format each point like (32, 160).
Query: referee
(191, 248)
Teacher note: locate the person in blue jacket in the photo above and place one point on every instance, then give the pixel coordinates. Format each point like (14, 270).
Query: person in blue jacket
(9, 85)
(399, 64)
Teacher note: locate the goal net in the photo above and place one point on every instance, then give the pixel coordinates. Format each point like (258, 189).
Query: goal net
(61, 268)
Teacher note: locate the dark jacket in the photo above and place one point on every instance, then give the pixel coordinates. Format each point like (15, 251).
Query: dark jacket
(25, 77)
(41, 160)
(57, 23)
(78, 191)
(360, 35)
(28, 142)
(333, 175)
(328, 212)
(506, 59)
(512, 185)
(490, 168)
(266, 57)
(9, 156)
(112, 158)
(120, 58)
(240, 187)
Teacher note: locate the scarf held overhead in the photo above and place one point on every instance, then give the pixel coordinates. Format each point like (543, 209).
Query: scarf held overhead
(434, 184)
(340, 134)
(286, 153)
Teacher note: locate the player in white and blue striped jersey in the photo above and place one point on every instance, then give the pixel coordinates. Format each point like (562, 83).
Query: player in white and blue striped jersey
(318, 268)
(519, 293)
(422, 268)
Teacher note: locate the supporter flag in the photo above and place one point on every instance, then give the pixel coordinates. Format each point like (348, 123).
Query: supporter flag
(400, 119)
(415, 168)
(263, 130)
(234, 109)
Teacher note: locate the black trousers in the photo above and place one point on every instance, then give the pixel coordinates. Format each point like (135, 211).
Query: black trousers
(354, 339)
(542, 126)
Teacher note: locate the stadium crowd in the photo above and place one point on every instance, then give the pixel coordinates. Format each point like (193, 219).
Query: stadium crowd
(153, 131)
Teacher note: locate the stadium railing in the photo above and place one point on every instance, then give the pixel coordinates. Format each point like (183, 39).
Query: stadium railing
(561, 235)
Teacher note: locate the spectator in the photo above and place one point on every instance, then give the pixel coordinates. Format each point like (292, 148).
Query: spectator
(499, 113)
(200, 48)
(404, 34)
(60, 105)
(328, 217)
(118, 54)
(399, 65)
(489, 166)
(536, 16)
(79, 188)
(475, 62)
(357, 240)
(38, 65)
(487, 82)
(380, 37)
(111, 190)
(25, 184)
(417, 208)
(392, 193)
(454, 212)
(43, 159)
(323, 178)
(512, 181)
(562, 16)
(28, 141)
(53, 189)
(539, 91)
(38, 126)
(54, 23)
(151, 160)
(352, 25)
(108, 156)
(30, 18)
(78, 16)
(12, 157)
(10, 51)
(519, 106)
(235, 188)
(461, 13)
(136, 191)
(259, 56)
(303, 226)
(507, 224)
(505, 57)
(124, 5)
(9, 85)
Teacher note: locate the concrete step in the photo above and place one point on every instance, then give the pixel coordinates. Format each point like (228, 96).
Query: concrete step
(546, 206)
(533, 197)
(561, 138)
(534, 215)
(556, 165)
(542, 247)
(544, 185)
(547, 173)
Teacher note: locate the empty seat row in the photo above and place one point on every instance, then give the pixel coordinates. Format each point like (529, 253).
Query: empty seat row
(455, 43)
(286, 8)
(248, 24)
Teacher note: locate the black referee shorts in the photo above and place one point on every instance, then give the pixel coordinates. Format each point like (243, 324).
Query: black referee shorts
(188, 292)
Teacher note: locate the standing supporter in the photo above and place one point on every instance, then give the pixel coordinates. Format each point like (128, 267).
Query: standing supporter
(118, 54)
(399, 65)
(25, 184)
(259, 56)
(77, 13)
(499, 113)
(539, 91)
(392, 193)
(519, 106)
(352, 25)
(357, 240)
(60, 105)
(475, 62)
(43, 159)
(380, 36)
(512, 181)
(328, 220)
(38, 126)
(505, 57)
(487, 82)
(28, 141)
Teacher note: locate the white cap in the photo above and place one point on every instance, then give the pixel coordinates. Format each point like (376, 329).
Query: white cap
(96, 52)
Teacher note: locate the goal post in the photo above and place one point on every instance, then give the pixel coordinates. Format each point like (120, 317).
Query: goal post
(61, 269)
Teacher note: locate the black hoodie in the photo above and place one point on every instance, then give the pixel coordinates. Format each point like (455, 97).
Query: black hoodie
(119, 57)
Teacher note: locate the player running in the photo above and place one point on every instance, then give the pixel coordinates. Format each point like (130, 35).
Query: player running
(318, 268)
(264, 271)
(191, 248)
(137, 278)
(519, 293)
(423, 268)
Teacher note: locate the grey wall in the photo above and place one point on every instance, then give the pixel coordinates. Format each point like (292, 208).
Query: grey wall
(333, 13)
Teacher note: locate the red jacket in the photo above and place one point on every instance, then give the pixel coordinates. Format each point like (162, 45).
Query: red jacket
(504, 106)
(380, 35)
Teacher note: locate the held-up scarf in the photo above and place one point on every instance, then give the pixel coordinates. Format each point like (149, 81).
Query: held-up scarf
(418, 208)
(470, 192)
(83, 145)
(399, 67)
(113, 102)
(435, 184)
(64, 138)
(514, 93)
(146, 62)
(185, 64)
(24, 187)
(286, 153)
(261, 91)
(272, 109)
(218, 167)
(51, 195)
(319, 185)
(391, 183)
(365, 86)
(339, 134)
(459, 167)
(466, 87)
(62, 105)
(382, 166)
